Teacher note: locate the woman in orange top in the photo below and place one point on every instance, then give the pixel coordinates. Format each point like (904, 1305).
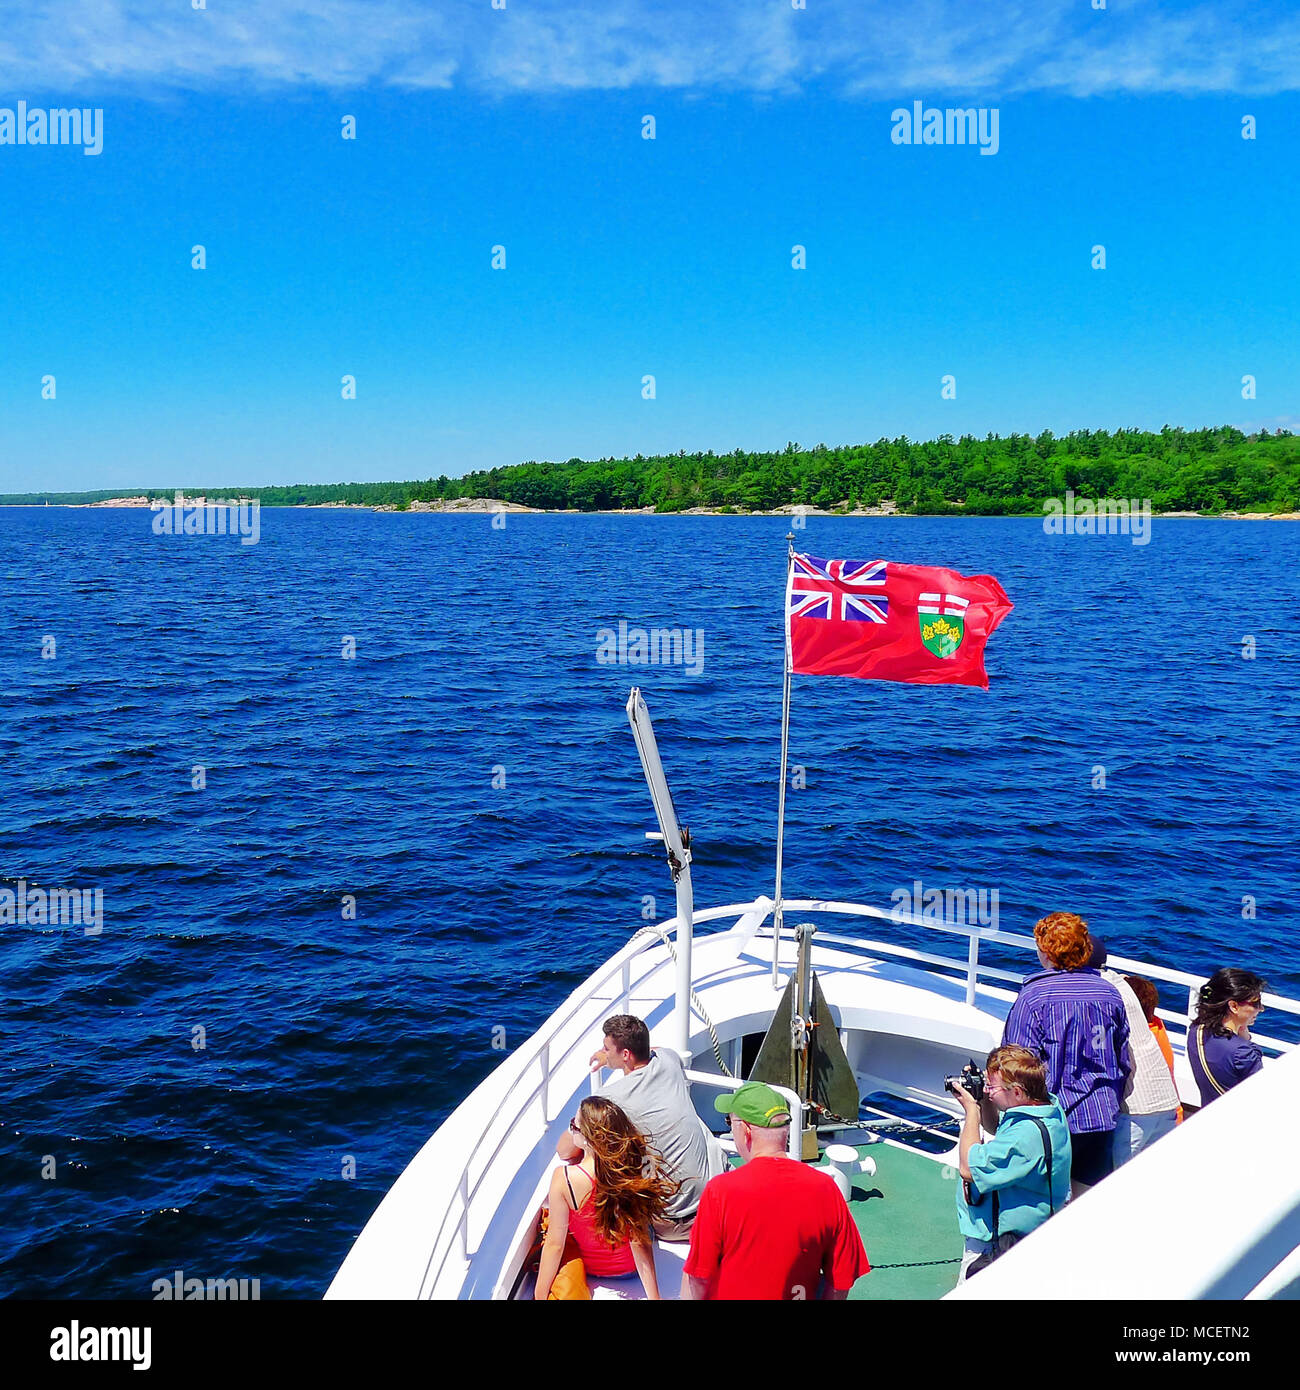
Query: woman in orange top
(1149, 997)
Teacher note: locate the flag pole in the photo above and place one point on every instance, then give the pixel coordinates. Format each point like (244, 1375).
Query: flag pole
(785, 748)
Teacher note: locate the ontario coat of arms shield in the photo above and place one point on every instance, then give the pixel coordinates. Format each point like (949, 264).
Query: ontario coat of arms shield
(942, 618)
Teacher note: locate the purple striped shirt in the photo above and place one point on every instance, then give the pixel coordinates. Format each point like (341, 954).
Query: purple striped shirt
(1075, 1021)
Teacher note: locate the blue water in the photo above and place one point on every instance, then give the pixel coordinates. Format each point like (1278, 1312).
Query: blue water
(480, 906)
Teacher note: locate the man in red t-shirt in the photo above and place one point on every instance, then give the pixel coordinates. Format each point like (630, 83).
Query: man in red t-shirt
(773, 1228)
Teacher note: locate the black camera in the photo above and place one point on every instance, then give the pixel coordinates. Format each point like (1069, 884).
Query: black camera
(971, 1080)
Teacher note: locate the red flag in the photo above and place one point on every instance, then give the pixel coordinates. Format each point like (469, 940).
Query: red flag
(878, 620)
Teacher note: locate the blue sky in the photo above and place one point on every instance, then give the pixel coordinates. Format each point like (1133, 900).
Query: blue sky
(625, 256)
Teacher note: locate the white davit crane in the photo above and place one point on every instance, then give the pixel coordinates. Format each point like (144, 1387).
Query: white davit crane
(676, 839)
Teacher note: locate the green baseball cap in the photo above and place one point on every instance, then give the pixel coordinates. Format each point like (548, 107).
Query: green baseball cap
(756, 1104)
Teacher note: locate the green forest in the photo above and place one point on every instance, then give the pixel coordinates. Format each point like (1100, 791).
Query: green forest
(1205, 470)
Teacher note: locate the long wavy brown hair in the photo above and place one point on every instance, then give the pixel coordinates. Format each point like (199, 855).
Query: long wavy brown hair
(631, 1189)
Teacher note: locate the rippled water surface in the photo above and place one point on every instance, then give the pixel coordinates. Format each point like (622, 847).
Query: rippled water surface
(479, 906)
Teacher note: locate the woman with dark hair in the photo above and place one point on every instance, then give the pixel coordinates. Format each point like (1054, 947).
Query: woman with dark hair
(606, 1201)
(1219, 1045)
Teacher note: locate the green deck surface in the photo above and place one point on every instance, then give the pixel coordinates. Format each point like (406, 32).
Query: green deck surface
(907, 1214)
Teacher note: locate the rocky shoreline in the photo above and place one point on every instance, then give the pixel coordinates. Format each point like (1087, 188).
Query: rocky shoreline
(489, 505)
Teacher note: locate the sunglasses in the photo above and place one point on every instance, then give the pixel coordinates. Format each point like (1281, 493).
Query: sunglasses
(573, 1127)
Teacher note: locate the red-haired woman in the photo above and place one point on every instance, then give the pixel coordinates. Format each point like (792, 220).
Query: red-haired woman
(606, 1201)
(1075, 1021)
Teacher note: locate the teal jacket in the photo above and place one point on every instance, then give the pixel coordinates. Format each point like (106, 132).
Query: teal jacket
(1012, 1164)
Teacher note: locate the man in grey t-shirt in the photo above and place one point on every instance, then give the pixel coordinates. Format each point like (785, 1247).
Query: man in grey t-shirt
(651, 1089)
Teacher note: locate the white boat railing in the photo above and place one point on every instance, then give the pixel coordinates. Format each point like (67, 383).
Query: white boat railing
(794, 1142)
(539, 1065)
(506, 1120)
(973, 971)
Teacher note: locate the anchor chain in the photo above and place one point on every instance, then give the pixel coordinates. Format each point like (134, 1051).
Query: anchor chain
(918, 1264)
(840, 1119)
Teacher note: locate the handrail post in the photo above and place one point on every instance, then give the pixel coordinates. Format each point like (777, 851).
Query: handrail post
(796, 1121)
(464, 1215)
(544, 1056)
(796, 1105)
(682, 1009)
(972, 965)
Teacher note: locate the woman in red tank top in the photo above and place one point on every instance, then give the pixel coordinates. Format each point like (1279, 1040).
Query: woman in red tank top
(606, 1201)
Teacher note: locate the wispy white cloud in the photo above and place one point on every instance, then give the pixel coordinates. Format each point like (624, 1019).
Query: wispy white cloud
(853, 48)
(1272, 422)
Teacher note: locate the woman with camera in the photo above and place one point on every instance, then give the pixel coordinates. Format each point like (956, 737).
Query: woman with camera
(1016, 1179)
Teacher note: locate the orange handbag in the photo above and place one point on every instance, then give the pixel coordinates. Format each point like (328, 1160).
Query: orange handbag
(570, 1282)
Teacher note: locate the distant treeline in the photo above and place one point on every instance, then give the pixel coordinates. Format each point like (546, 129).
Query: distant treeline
(1207, 470)
(296, 495)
